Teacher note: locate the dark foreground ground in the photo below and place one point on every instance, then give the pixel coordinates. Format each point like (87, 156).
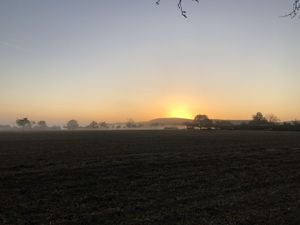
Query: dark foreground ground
(150, 177)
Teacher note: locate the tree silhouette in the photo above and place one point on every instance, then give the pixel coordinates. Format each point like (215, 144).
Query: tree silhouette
(72, 125)
(272, 119)
(203, 121)
(294, 12)
(130, 123)
(93, 125)
(103, 125)
(258, 119)
(23, 123)
(42, 124)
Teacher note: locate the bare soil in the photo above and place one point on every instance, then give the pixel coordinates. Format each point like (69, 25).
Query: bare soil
(150, 177)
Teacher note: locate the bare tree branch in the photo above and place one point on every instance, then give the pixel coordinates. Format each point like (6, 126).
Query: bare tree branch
(183, 12)
(295, 11)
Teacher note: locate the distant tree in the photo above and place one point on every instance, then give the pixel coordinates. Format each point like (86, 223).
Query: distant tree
(93, 125)
(203, 121)
(272, 119)
(42, 124)
(24, 123)
(296, 122)
(72, 125)
(139, 125)
(103, 125)
(130, 123)
(258, 119)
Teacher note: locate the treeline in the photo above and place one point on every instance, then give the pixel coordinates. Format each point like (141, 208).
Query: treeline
(27, 124)
(73, 125)
(258, 122)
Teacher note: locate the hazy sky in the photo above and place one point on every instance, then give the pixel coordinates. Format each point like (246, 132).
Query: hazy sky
(110, 60)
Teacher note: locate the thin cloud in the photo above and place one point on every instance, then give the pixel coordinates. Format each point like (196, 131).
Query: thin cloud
(10, 45)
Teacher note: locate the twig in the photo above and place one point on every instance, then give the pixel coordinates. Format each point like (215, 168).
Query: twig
(183, 12)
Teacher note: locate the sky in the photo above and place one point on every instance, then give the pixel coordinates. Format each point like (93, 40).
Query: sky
(111, 60)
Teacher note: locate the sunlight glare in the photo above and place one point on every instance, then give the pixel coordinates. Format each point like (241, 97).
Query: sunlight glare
(180, 112)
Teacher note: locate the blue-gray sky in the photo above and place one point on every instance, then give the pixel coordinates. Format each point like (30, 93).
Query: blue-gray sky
(110, 60)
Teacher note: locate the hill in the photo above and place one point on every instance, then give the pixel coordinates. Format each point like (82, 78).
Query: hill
(168, 121)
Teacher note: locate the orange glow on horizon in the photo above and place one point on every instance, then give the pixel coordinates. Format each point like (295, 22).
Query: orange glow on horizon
(180, 111)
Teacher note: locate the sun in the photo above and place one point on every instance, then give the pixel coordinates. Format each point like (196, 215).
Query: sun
(180, 112)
